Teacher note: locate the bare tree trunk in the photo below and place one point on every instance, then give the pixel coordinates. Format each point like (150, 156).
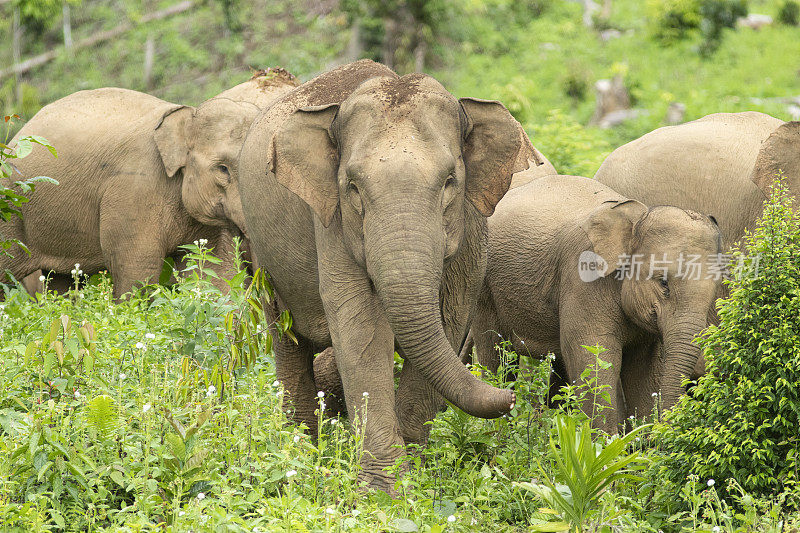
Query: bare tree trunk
(354, 49)
(605, 13)
(15, 54)
(420, 50)
(67, 25)
(389, 41)
(149, 56)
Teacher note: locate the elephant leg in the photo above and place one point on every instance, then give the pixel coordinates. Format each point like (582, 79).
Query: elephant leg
(580, 328)
(327, 379)
(415, 404)
(294, 370)
(363, 342)
(134, 265)
(641, 369)
(365, 359)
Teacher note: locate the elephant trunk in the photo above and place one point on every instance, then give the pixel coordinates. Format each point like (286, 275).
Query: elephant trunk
(406, 263)
(681, 356)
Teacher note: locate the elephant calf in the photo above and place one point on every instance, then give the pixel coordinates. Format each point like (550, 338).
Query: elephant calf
(571, 263)
(138, 176)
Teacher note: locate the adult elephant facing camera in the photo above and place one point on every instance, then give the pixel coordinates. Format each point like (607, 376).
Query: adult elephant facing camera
(368, 211)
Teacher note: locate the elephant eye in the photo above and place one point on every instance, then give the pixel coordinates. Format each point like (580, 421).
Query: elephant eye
(355, 198)
(665, 286)
(224, 169)
(449, 190)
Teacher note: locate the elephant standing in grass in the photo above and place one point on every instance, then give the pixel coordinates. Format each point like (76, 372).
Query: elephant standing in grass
(562, 272)
(722, 164)
(138, 176)
(365, 196)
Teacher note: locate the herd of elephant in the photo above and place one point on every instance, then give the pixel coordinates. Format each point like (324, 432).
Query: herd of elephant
(392, 216)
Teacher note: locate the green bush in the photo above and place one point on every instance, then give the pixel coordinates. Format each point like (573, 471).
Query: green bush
(570, 147)
(741, 420)
(671, 19)
(718, 15)
(789, 13)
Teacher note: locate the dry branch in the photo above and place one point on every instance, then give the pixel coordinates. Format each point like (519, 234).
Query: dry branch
(96, 38)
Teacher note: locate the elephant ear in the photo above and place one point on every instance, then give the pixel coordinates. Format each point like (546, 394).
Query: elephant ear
(305, 158)
(779, 153)
(172, 138)
(610, 230)
(495, 147)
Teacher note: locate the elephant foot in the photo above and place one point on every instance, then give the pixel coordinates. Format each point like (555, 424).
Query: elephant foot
(326, 376)
(381, 474)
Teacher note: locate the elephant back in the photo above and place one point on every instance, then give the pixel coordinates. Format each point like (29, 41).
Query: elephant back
(263, 88)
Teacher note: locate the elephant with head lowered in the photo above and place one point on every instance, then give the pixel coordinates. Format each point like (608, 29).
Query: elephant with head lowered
(573, 263)
(365, 196)
(138, 177)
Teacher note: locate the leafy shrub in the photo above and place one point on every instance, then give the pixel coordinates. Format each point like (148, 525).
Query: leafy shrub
(741, 420)
(675, 19)
(572, 148)
(11, 199)
(718, 15)
(672, 19)
(789, 13)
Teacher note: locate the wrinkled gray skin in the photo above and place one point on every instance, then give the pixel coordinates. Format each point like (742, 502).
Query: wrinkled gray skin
(722, 164)
(534, 297)
(368, 211)
(138, 178)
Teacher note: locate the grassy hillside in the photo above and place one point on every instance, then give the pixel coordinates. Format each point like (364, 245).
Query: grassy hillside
(484, 48)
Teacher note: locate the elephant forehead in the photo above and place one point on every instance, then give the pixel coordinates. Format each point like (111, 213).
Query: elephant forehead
(222, 122)
(398, 98)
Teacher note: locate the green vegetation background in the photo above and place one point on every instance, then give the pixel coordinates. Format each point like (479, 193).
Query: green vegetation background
(536, 56)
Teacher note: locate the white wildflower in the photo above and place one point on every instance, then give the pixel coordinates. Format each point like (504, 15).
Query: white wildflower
(654, 395)
(139, 345)
(276, 383)
(710, 483)
(146, 407)
(77, 266)
(291, 473)
(150, 336)
(330, 511)
(123, 375)
(320, 394)
(366, 394)
(73, 271)
(296, 439)
(196, 243)
(716, 529)
(334, 421)
(42, 278)
(77, 395)
(203, 242)
(201, 496)
(356, 512)
(451, 518)
(210, 392)
(181, 513)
